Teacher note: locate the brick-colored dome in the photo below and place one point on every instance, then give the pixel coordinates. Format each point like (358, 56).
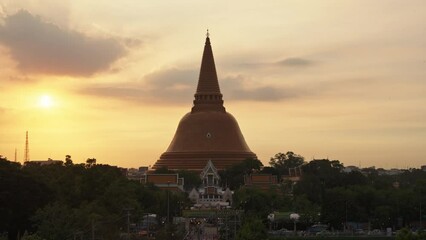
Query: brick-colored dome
(208, 132)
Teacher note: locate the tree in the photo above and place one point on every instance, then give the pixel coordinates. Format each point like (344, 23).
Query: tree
(62, 202)
(56, 221)
(68, 160)
(406, 234)
(21, 194)
(90, 162)
(233, 177)
(255, 202)
(308, 210)
(269, 170)
(192, 179)
(283, 162)
(252, 229)
(31, 237)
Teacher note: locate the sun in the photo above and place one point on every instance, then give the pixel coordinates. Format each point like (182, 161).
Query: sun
(45, 101)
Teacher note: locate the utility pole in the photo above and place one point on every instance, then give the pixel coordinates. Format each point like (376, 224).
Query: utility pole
(346, 214)
(147, 219)
(168, 202)
(128, 221)
(421, 224)
(93, 229)
(235, 223)
(128, 224)
(227, 224)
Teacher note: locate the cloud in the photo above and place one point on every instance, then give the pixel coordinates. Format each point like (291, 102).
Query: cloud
(294, 62)
(239, 88)
(43, 48)
(171, 86)
(177, 86)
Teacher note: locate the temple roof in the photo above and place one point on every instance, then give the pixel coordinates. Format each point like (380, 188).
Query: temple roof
(209, 168)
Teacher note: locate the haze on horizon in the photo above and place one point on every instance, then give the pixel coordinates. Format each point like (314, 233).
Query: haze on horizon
(333, 79)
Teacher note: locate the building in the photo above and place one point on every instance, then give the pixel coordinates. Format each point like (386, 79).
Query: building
(170, 181)
(261, 181)
(210, 194)
(167, 181)
(389, 172)
(208, 132)
(350, 169)
(49, 161)
(135, 174)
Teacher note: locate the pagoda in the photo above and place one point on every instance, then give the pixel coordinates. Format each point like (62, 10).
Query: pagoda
(208, 132)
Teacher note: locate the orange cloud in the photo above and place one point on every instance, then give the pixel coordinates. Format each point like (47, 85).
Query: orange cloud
(43, 48)
(177, 86)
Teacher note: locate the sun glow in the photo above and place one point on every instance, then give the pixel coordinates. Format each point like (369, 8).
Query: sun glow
(45, 101)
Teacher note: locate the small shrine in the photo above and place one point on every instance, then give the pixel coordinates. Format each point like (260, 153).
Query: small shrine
(210, 194)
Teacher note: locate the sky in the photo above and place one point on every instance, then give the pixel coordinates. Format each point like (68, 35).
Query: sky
(110, 80)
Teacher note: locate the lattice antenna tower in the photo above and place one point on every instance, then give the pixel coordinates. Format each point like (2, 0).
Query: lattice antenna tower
(16, 155)
(27, 150)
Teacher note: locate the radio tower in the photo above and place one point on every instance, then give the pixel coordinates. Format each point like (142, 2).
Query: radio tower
(16, 154)
(27, 150)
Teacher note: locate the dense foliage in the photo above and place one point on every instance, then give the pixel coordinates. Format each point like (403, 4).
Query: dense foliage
(233, 177)
(66, 201)
(252, 229)
(338, 198)
(284, 162)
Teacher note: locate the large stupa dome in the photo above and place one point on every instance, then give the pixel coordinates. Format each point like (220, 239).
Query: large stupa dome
(208, 132)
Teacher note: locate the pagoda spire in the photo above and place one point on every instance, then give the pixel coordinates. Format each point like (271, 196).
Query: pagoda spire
(208, 95)
(208, 134)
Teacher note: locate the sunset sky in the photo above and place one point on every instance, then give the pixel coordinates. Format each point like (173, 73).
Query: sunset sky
(111, 79)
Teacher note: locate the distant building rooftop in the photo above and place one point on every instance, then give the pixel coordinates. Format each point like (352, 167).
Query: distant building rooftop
(260, 181)
(49, 161)
(164, 181)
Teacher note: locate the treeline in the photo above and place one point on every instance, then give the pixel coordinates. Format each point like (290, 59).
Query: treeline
(329, 195)
(74, 201)
(71, 201)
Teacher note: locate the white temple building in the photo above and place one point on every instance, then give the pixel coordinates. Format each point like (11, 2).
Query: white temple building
(210, 194)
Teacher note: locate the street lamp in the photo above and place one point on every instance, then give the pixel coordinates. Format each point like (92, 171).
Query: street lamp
(295, 217)
(271, 218)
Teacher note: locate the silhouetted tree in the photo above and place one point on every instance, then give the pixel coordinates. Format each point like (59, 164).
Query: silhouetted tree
(68, 160)
(233, 177)
(256, 202)
(90, 162)
(21, 194)
(283, 162)
(192, 179)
